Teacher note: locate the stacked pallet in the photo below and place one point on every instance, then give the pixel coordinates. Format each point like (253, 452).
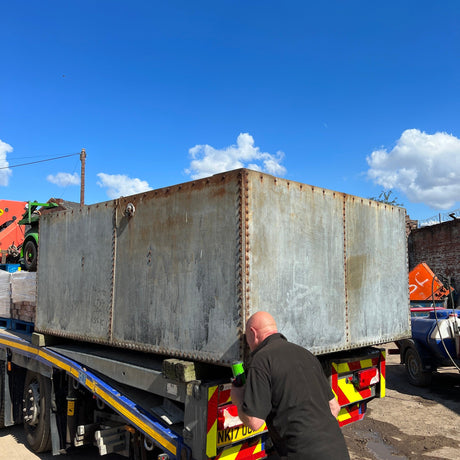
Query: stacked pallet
(23, 296)
(18, 295)
(5, 294)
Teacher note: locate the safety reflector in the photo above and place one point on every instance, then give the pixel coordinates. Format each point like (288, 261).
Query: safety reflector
(365, 378)
(228, 417)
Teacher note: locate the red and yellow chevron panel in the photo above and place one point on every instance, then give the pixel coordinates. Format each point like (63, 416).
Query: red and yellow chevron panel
(383, 373)
(230, 442)
(352, 394)
(224, 394)
(343, 388)
(211, 437)
(351, 413)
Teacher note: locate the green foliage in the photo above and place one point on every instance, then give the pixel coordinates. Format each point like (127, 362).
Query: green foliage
(387, 197)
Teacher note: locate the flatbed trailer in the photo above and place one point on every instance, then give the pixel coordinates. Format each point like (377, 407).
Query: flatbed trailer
(65, 404)
(72, 394)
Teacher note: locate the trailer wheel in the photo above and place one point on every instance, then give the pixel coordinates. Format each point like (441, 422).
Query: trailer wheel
(37, 408)
(30, 256)
(414, 368)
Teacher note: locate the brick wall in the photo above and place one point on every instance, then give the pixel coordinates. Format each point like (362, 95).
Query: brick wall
(438, 246)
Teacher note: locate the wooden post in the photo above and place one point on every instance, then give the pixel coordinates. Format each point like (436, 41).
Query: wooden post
(82, 178)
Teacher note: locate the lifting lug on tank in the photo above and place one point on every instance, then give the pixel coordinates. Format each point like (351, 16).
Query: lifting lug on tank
(130, 210)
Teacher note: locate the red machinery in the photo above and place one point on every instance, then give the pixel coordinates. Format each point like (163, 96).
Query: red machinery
(424, 284)
(11, 233)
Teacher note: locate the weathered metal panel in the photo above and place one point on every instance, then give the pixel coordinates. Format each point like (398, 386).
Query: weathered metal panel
(177, 276)
(75, 273)
(297, 260)
(330, 267)
(377, 272)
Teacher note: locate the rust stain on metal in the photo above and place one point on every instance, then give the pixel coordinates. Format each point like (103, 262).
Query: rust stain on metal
(219, 192)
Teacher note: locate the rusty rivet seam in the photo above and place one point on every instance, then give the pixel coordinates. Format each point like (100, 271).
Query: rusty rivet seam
(114, 255)
(160, 350)
(135, 346)
(247, 245)
(240, 261)
(407, 265)
(345, 266)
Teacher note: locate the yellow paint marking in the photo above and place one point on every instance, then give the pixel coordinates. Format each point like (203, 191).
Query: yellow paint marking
(382, 386)
(20, 346)
(70, 408)
(230, 453)
(344, 415)
(343, 368)
(259, 447)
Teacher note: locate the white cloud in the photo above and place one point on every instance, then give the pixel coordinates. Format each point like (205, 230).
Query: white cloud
(207, 160)
(426, 167)
(64, 179)
(4, 173)
(120, 185)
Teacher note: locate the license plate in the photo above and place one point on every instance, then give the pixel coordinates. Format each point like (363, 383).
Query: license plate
(235, 434)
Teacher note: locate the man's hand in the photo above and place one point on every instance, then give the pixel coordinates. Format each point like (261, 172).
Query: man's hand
(335, 407)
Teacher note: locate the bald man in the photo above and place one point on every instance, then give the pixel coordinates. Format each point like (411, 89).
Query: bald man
(286, 388)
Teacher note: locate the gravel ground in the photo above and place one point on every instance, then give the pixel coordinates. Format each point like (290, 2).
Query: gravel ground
(409, 423)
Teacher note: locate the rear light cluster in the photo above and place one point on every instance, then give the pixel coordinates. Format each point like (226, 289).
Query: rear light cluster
(365, 378)
(228, 417)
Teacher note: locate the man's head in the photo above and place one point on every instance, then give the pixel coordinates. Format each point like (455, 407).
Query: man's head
(259, 326)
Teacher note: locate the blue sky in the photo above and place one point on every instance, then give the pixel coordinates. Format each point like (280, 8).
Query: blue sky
(353, 96)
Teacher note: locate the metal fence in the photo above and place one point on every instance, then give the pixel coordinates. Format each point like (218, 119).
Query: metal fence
(439, 218)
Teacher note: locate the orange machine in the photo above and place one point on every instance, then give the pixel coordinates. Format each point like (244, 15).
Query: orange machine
(425, 285)
(11, 233)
